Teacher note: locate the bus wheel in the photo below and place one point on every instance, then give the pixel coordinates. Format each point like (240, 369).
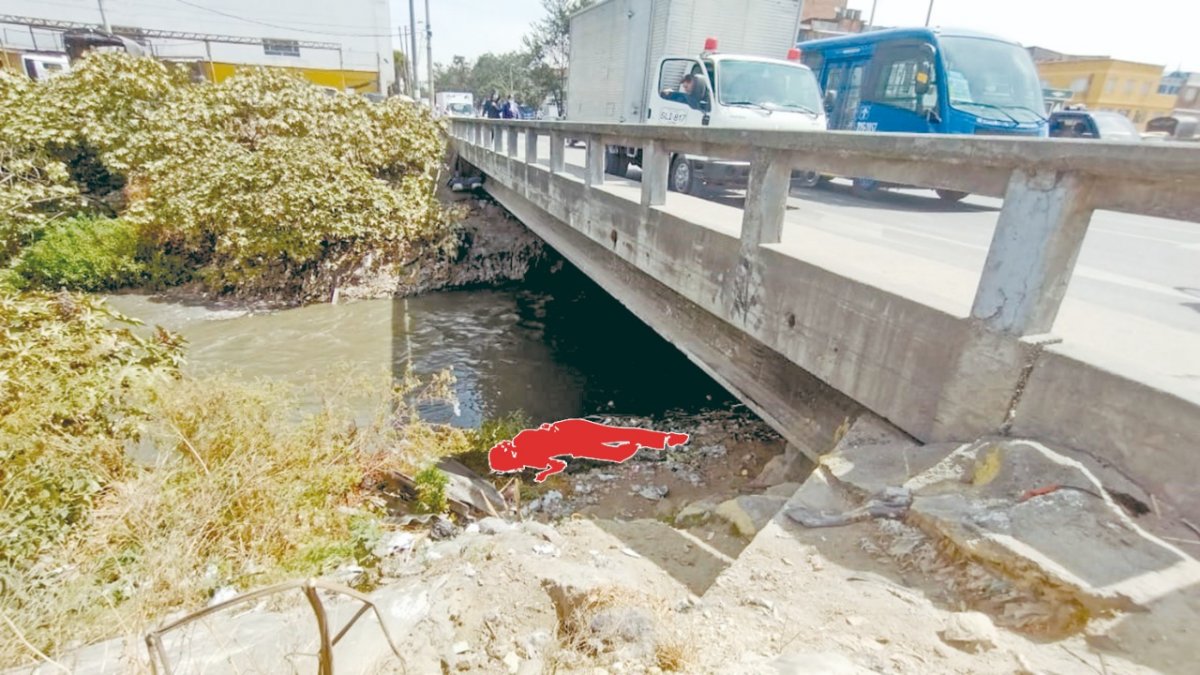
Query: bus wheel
(865, 188)
(951, 195)
(683, 178)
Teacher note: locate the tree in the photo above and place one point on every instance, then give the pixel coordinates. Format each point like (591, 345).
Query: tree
(549, 44)
(400, 65)
(458, 76)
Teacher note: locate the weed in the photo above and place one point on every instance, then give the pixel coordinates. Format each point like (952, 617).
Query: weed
(431, 490)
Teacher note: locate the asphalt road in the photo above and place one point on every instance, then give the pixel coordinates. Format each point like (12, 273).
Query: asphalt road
(1135, 293)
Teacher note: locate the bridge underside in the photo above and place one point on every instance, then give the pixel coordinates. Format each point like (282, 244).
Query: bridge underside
(808, 349)
(804, 410)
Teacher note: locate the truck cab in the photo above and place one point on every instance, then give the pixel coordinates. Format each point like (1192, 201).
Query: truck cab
(727, 91)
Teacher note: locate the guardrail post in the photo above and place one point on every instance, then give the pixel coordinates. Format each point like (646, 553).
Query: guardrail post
(511, 132)
(497, 138)
(557, 152)
(473, 134)
(594, 167)
(531, 141)
(766, 200)
(1037, 240)
(656, 161)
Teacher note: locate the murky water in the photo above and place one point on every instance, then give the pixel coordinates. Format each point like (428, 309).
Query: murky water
(555, 347)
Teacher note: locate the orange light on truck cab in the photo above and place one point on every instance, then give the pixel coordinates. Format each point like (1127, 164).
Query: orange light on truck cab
(793, 54)
(710, 44)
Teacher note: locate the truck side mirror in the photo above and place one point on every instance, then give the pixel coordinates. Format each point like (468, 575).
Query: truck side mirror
(704, 106)
(921, 79)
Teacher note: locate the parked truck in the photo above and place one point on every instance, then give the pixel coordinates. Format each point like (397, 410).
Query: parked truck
(691, 63)
(455, 103)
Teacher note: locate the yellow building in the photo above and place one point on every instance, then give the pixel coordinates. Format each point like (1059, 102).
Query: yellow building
(1100, 83)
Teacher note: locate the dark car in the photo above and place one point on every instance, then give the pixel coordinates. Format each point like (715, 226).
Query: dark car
(1102, 124)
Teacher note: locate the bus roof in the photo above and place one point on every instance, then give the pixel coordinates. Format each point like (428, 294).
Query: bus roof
(876, 36)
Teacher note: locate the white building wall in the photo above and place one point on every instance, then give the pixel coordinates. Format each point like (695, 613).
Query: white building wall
(362, 28)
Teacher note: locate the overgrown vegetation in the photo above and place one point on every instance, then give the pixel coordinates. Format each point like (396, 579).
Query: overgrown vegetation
(89, 254)
(431, 490)
(251, 184)
(130, 490)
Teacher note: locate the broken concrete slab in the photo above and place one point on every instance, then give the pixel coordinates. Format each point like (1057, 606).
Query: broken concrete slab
(470, 488)
(689, 560)
(749, 513)
(1035, 517)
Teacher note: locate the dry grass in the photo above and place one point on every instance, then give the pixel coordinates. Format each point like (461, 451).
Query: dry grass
(233, 488)
(580, 636)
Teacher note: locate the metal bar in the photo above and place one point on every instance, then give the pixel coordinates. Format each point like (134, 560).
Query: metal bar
(557, 153)
(594, 166)
(1036, 242)
(656, 160)
(326, 654)
(350, 624)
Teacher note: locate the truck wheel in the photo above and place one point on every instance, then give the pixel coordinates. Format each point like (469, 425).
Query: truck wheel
(806, 179)
(951, 195)
(683, 178)
(616, 163)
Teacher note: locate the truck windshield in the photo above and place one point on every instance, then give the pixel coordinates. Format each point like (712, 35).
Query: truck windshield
(985, 77)
(460, 108)
(767, 85)
(1116, 127)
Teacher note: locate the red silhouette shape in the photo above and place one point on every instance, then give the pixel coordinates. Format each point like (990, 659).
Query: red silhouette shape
(574, 438)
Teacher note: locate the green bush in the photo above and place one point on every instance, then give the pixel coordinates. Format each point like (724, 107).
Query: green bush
(85, 254)
(431, 490)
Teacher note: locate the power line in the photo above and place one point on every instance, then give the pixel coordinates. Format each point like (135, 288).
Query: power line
(268, 24)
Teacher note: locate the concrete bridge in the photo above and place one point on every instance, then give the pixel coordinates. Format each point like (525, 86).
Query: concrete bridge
(808, 341)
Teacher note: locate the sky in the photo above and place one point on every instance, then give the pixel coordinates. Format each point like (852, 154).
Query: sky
(1151, 31)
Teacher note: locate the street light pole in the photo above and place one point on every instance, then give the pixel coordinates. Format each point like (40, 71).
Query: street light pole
(929, 13)
(104, 17)
(412, 55)
(429, 52)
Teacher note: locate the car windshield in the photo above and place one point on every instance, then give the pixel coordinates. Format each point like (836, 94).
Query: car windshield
(767, 85)
(982, 75)
(1115, 127)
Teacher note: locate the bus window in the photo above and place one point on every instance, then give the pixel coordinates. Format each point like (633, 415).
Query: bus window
(895, 76)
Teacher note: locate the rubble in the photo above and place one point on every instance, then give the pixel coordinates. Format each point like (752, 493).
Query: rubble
(969, 631)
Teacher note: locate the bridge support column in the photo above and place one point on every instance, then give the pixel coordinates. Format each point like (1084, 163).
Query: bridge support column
(531, 141)
(1034, 248)
(557, 152)
(656, 160)
(594, 170)
(766, 201)
(511, 133)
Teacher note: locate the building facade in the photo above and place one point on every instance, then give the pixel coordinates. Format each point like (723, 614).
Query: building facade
(1185, 87)
(345, 44)
(1103, 83)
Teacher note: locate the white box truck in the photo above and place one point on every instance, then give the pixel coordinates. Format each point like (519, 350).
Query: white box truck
(455, 103)
(710, 63)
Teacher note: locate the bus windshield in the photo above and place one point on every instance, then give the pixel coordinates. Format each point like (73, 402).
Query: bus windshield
(992, 79)
(766, 85)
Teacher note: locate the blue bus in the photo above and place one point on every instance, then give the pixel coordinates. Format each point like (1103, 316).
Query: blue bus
(925, 80)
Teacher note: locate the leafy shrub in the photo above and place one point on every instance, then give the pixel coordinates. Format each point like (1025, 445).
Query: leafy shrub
(431, 490)
(87, 254)
(258, 180)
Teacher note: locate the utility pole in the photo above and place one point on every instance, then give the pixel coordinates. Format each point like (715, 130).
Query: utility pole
(104, 17)
(929, 13)
(871, 21)
(412, 23)
(407, 74)
(429, 52)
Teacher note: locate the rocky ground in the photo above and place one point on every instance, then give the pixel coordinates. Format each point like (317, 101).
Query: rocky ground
(888, 557)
